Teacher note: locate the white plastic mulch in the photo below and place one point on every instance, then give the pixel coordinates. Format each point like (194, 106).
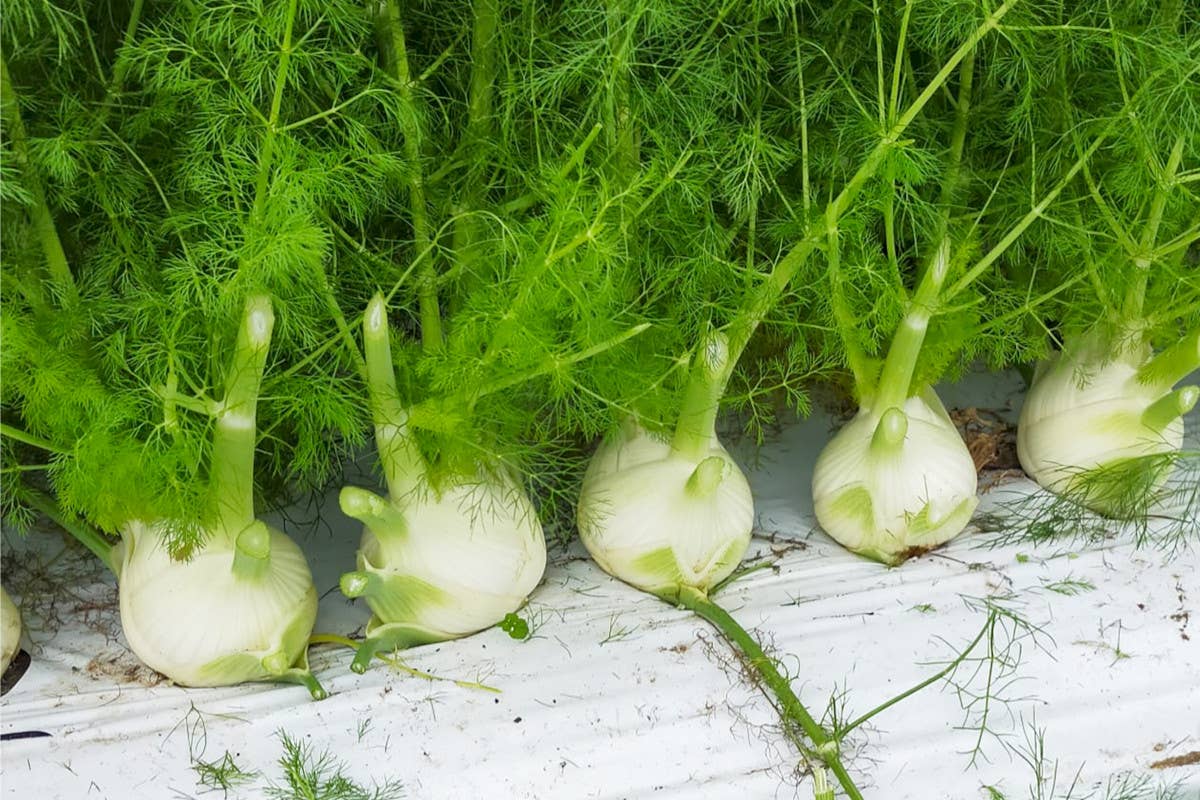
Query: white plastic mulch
(619, 696)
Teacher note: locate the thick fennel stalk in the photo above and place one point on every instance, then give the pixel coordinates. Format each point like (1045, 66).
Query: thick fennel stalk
(1173, 364)
(235, 433)
(267, 152)
(485, 28)
(480, 125)
(395, 46)
(59, 269)
(403, 465)
(231, 463)
(1142, 260)
(707, 378)
(895, 382)
(1170, 407)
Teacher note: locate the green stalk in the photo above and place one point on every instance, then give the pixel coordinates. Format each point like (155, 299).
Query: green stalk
(622, 143)
(694, 431)
(856, 357)
(383, 518)
(410, 127)
(479, 126)
(1169, 408)
(1136, 296)
(805, 183)
(889, 207)
(483, 68)
(792, 709)
(343, 327)
(880, 93)
(85, 534)
(821, 788)
(403, 465)
(30, 439)
(39, 212)
(897, 63)
(932, 679)
(267, 154)
(895, 382)
(231, 467)
(1173, 364)
(116, 81)
(760, 300)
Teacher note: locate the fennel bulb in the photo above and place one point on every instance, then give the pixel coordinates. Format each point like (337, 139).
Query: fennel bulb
(440, 565)
(435, 562)
(242, 607)
(663, 515)
(1089, 412)
(239, 610)
(659, 520)
(892, 484)
(10, 630)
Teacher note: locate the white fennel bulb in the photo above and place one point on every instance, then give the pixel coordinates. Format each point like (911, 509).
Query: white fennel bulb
(236, 611)
(440, 565)
(10, 630)
(658, 519)
(1092, 410)
(242, 606)
(668, 515)
(893, 484)
(435, 562)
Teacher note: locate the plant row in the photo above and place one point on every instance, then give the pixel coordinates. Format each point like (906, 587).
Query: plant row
(536, 250)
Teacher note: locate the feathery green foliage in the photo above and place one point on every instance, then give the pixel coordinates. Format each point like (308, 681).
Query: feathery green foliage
(200, 152)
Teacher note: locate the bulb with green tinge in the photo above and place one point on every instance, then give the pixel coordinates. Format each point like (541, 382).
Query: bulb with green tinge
(434, 566)
(658, 519)
(236, 611)
(1092, 415)
(893, 484)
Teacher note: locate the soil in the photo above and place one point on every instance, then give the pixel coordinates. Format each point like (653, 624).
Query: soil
(991, 440)
(124, 668)
(1185, 760)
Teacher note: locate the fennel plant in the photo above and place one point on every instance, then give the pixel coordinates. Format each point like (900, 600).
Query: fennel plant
(763, 97)
(169, 226)
(1103, 422)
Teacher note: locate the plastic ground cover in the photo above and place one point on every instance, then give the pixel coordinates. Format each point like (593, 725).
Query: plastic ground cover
(617, 695)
